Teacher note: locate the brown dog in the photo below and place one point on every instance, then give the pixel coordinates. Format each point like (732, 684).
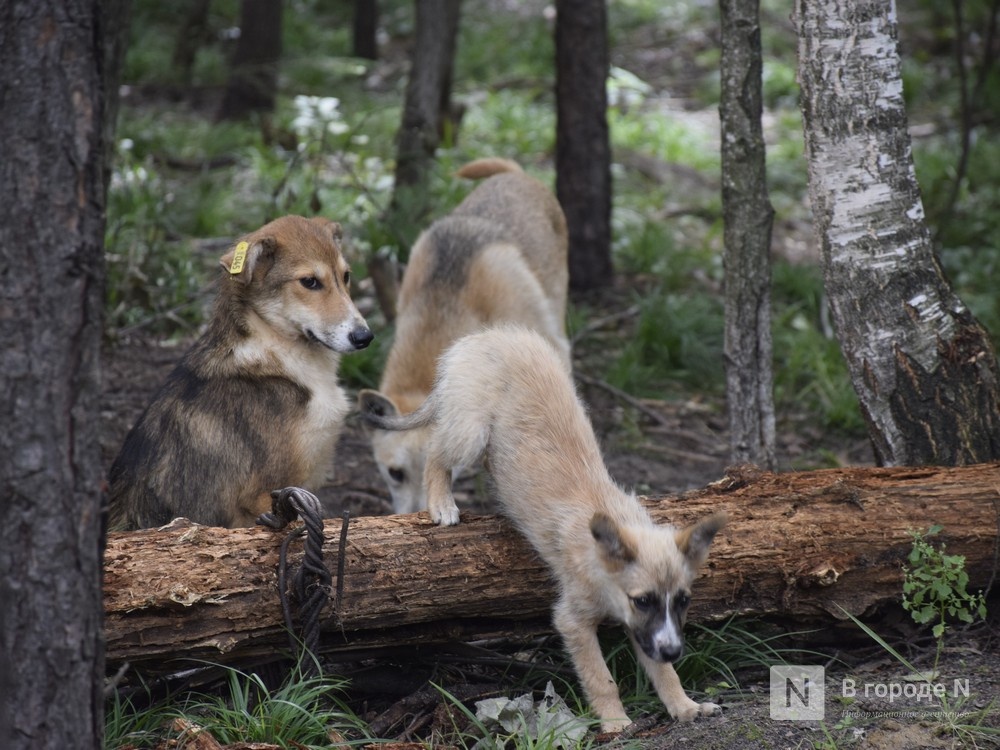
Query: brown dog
(505, 393)
(500, 256)
(254, 405)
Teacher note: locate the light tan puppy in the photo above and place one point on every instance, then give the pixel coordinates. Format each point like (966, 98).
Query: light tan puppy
(500, 256)
(506, 393)
(255, 404)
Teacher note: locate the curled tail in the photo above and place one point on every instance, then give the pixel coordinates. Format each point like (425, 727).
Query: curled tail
(480, 169)
(379, 412)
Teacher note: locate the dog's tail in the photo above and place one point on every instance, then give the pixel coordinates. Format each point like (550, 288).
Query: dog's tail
(480, 169)
(375, 414)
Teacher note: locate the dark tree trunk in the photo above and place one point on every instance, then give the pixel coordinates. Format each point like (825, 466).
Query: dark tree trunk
(366, 29)
(747, 216)
(191, 35)
(60, 70)
(428, 85)
(253, 80)
(924, 369)
(583, 149)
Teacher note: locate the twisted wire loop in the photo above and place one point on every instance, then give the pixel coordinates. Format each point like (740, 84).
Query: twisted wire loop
(312, 581)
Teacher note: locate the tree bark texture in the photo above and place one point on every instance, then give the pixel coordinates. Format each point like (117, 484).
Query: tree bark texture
(59, 61)
(747, 217)
(253, 79)
(797, 545)
(924, 369)
(583, 147)
(428, 89)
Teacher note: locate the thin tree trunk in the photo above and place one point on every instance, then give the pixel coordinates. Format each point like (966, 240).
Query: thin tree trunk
(798, 546)
(60, 66)
(583, 147)
(923, 367)
(748, 217)
(365, 42)
(253, 78)
(428, 85)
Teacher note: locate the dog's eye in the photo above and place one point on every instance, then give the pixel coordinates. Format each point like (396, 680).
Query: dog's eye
(644, 602)
(397, 475)
(347, 278)
(311, 282)
(681, 600)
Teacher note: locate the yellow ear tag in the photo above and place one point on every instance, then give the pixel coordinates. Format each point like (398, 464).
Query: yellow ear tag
(238, 258)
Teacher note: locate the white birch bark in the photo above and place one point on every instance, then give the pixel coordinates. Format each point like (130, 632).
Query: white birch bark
(919, 361)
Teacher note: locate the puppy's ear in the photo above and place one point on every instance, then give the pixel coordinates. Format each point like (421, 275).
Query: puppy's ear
(373, 402)
(244, 256)
(616, 547)
(694, 541)
(332, 228)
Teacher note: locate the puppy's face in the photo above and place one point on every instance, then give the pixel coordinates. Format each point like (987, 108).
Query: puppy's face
(652, 569)
(294, 275)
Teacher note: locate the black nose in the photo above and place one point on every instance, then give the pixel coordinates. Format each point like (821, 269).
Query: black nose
(670, 654)
(360, 337)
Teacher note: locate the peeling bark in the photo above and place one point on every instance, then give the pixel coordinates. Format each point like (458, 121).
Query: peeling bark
(898, 321)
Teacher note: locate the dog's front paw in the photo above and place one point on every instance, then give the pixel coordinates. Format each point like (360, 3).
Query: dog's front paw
(614, 726)
(444, 514)
(690, 710)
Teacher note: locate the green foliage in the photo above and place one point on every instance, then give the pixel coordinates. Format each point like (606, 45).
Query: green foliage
(809, 371)
(935, 586)
(302, 712)
(130, 723)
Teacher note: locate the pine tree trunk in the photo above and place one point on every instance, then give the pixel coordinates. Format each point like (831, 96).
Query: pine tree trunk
(59, 61)
(798, 546)
(583, 147)
(748, 216)
(924, 369)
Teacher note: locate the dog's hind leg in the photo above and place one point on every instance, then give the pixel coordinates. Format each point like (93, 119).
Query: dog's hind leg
(437, 486)
(668, 687)
(580, 640)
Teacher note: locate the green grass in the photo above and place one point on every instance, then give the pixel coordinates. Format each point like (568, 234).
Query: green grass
(302, 712)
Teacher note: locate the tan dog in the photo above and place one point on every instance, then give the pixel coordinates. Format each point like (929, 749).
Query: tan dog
(506, 393)
(255, 404)
(499, 256)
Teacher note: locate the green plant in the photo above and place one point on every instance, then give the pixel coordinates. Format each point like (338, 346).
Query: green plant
(302, 712)
(132, 723)
(935, 587)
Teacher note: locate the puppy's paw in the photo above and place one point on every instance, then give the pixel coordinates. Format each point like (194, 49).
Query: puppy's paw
(614, 726)
(689, 710)
(444, 514)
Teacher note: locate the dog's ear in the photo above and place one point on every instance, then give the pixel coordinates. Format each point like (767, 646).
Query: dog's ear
(617, 549)
(694, 541)
(332, 228)
(243, 257)
(373, 402)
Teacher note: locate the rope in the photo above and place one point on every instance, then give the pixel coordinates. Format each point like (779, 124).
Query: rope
(312, 581)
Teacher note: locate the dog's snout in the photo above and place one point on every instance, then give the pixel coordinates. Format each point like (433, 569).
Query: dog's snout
(670, 654)
(360, 337)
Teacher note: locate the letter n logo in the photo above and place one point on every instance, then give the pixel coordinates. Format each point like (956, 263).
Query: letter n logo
(798, 693)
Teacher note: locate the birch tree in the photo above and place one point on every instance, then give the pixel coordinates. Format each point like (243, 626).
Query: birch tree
(923, 367)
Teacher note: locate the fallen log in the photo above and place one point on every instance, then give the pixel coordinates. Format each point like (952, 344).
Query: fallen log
(799, 545)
